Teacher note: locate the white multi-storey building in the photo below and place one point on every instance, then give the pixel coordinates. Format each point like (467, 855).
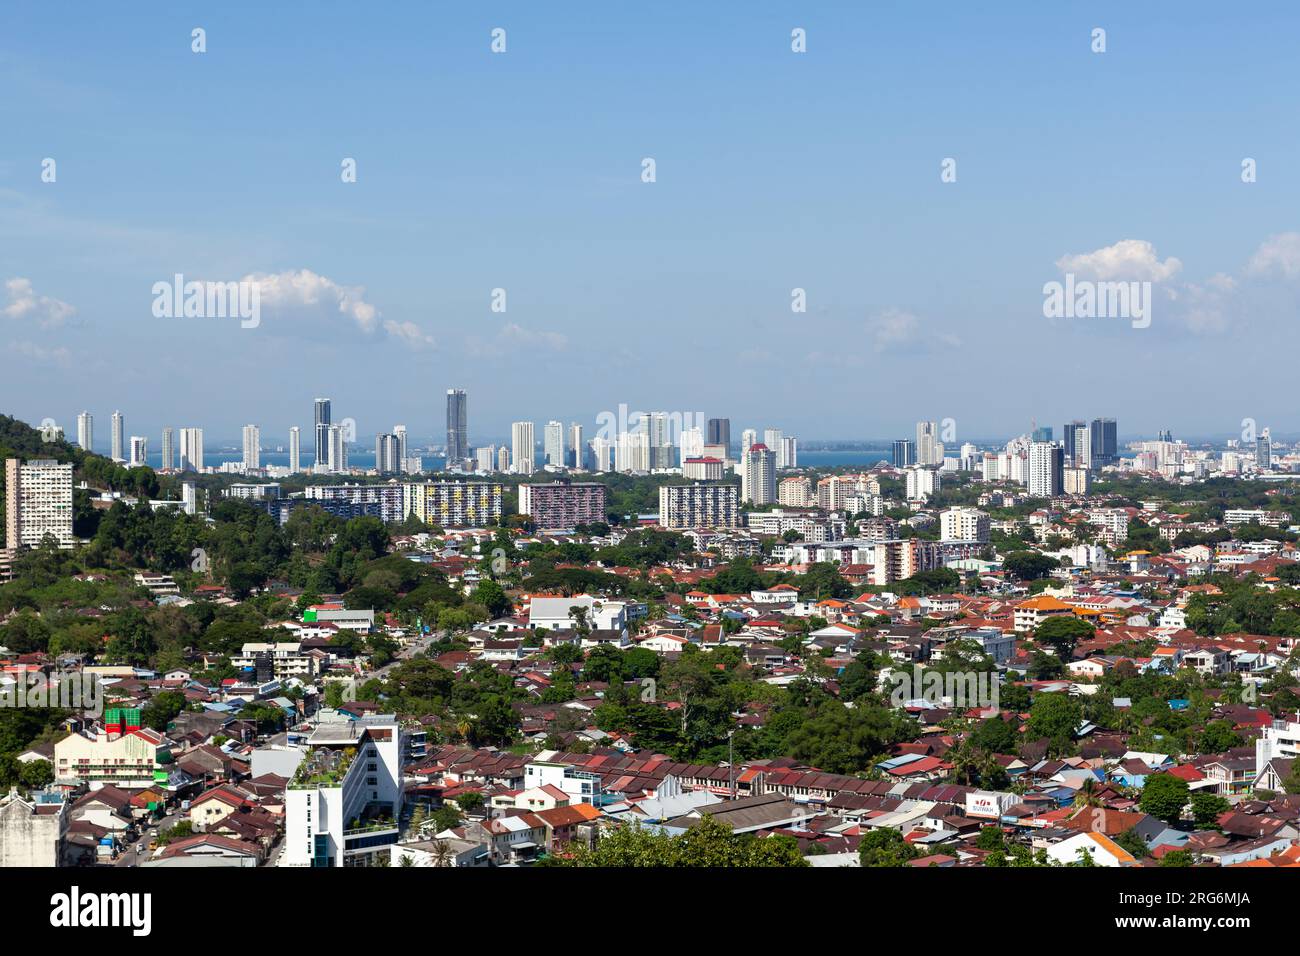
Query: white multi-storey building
(964, 524)
(523, 448)
(699, 506)
(553, 444)
(118, 436)
(758, 475)
(923, 482)
(191, 449)
(86, 431)
(252, 448)
(139, 451)
(168, 461)
(343, 805)
(38, 502)
(295, 450)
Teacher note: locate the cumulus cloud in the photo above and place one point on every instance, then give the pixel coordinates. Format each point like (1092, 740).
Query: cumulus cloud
(1277, 257)
(897, 330)
(1126, 260)
(305, 303)
(22, 303)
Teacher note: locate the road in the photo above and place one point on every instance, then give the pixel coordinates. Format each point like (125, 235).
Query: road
(129, 857)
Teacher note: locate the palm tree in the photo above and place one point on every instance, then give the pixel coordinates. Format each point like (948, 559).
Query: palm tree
(1087, 795)
(441, 853)
(406, 860)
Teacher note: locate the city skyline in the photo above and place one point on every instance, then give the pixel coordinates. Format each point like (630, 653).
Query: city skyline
(818, 177)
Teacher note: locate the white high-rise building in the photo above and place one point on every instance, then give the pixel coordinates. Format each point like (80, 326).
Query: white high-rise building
(692, 443)
(118, 436)
(928, 449)
(503, 459)
(788, 456)
(252, 448)
(602, 454)
(633, 452)
(758, 475)
(338, 450)
(576, 447)
(923, 482)
(86, 431)
(748, 439)
(553, 444)
(964, 524)
(295, 450)
(168, 449)
(400, 432)
(485, 458)
(388, 459)
(38, 502)
(191, 449)
(523, 448)
(139, 451)
(1046, 471)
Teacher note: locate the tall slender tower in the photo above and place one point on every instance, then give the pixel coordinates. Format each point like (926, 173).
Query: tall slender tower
(522, 447)
(168, 450)
(295, 450)
(86, 431)
(322, 432)
(457, 426)
(118, 436)
(252, 448)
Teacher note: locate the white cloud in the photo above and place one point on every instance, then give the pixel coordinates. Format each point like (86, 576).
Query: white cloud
(513, 334)
(307, 289)
(303, 296)
(40, 354)
(1276, 256)
(410, 334)
(1126, 260)
(896, 330)
(23, 303)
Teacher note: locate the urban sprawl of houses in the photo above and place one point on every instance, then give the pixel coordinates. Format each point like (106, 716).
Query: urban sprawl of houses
(1059, 651)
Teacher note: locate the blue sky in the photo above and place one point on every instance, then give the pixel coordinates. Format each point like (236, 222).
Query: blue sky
(775, 170)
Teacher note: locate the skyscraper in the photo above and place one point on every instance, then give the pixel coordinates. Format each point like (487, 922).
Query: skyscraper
(758, 475)
(553, 443)
(718, 432)
(1070, 438)
(139, 451)
(388, 450)
(927, 444)
(86, 431)
(772, 439)
(576, 446)
(522, 447)
(118, 436)
(337, 461)
(295, 450)
(252, 448)
(400, 432)
(1105, 446)
(503, 459)
(168, 450)
(322, 432)
(1264, 451)
(662, 449)
(457, 426)
(1046, 469)
(191, 449)
(904, 452)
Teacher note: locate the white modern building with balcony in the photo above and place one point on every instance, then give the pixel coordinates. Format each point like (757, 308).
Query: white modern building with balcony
(343, 805)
